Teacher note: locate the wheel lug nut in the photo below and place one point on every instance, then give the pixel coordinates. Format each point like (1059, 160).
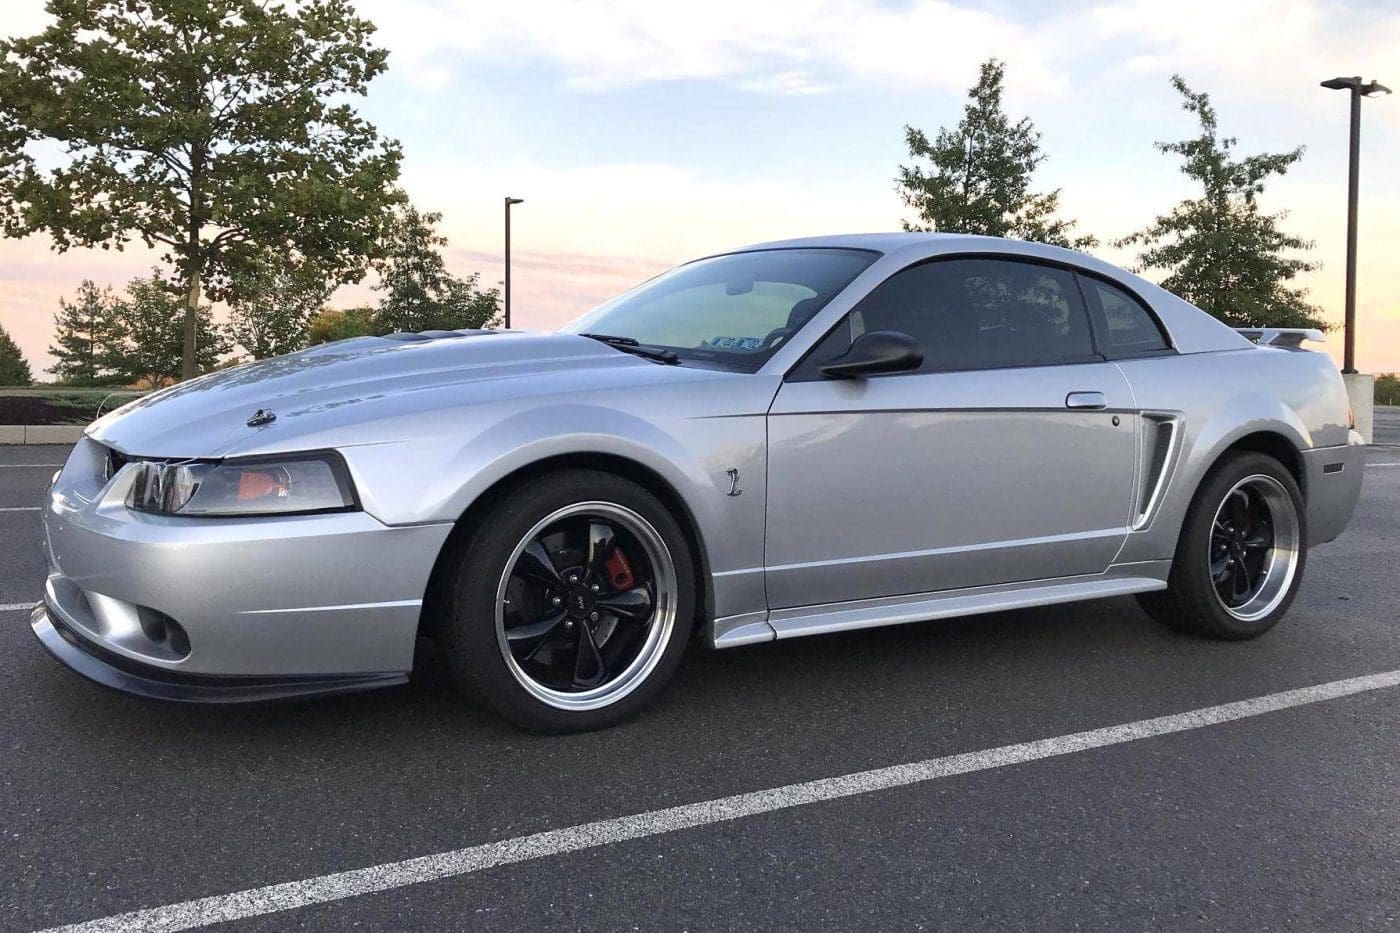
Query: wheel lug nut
(573, 579)
(593, 617)
(558, 601)
(596, 588)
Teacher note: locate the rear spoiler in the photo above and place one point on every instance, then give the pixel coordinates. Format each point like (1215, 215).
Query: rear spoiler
(1288, 337)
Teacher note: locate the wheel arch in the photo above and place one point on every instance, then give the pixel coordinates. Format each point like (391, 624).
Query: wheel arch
(616, 464)
(1271, 443)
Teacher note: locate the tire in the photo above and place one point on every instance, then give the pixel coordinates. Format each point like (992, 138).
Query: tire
(1224, 582)
(509, 623)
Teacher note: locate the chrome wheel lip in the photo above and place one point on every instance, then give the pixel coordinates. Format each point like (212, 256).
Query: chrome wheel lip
(1281, 565)
(663, 618)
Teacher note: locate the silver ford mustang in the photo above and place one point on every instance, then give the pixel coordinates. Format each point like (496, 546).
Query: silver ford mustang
(798, 437)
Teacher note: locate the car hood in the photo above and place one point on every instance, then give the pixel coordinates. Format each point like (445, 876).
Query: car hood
(359, 381)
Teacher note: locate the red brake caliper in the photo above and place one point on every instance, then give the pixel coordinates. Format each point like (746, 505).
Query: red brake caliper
(619, 570)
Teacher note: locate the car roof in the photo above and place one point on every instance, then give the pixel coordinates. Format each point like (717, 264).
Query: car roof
(912, 244)
(883, 242)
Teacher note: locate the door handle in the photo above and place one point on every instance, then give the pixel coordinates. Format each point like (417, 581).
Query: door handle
(1094, 400)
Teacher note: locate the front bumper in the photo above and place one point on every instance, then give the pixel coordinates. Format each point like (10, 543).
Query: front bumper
(262, 608)
(119, 673)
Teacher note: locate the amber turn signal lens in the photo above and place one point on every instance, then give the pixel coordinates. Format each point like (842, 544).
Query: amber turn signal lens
(259, 484)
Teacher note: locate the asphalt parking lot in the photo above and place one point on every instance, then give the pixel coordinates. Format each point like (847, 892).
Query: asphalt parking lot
(1278, 813)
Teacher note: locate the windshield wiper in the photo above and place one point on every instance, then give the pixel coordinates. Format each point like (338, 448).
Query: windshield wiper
(628, 345)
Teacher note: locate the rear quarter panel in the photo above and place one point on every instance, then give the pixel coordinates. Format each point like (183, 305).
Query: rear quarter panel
(1222, 397)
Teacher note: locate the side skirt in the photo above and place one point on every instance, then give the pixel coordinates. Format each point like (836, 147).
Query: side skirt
(1118, 580)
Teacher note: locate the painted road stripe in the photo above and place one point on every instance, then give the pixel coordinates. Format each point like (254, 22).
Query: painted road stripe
(1383, 464)
(272, 898)
(15, 607)
(26, 508)
(30, 466)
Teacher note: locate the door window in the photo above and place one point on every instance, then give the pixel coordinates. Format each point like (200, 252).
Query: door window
(972, 314)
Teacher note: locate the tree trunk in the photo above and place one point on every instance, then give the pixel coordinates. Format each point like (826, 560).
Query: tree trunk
(187, 362)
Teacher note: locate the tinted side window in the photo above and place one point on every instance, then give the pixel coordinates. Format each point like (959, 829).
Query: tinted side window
(1128, 327)
(973, 314)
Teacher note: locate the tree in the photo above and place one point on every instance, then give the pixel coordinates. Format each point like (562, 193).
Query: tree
(216, 130)
(14, 369)
(420, 294)
(273, 308)
(85, 335)
(330, 325)
(1388, 389)
(150, 334)
(1220, 251)
(979, 174)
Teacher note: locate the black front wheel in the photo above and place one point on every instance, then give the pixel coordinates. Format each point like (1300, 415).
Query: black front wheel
(572, 603)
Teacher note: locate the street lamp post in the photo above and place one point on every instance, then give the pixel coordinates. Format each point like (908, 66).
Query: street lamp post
(1358, 89)
(509, 202)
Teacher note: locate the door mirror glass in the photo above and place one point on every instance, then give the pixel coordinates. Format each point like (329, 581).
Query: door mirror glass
(874, 352)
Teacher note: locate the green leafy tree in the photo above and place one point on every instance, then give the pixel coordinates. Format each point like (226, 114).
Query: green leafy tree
(215, 130)
(149, 346)
(420, 294)
(1219, 250)
(1388, 389)
(85, 333)
(978, 174)
(273, 308)
(14, 369)
(331, 324)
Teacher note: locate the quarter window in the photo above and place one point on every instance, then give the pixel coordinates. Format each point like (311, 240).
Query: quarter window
(1127, 326)
(973, 314)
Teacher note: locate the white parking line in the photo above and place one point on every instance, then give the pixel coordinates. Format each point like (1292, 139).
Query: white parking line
(30, 466)
(1383, 465)
(15, 607)
(26, 508)
(272, 898)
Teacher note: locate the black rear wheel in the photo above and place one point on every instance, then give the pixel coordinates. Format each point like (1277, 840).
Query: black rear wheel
(1241, 553)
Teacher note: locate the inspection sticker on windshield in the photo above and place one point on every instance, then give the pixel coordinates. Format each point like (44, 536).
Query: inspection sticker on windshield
(735, 343)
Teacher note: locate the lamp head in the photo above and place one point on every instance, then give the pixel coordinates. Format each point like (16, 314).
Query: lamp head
(510, 201)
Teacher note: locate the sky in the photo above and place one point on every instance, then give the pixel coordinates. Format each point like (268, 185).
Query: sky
(642, 133)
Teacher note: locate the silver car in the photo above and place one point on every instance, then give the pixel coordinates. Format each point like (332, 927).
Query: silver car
(794, 438)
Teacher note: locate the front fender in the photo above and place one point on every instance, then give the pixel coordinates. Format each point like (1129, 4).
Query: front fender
(692, 455)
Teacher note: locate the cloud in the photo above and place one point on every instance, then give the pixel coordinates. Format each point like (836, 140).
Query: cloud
(1270, 50)
(790, 47)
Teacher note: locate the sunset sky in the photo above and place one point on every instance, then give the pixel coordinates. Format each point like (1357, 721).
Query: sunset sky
(642, 133)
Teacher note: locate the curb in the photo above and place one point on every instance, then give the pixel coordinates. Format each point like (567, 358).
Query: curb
(40, 433)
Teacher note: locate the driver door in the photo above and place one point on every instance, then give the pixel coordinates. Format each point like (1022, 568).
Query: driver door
(1008, 456)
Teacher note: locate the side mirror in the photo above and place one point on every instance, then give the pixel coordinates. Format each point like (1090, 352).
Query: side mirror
(879, 351)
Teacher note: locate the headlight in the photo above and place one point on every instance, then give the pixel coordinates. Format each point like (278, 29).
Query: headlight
(295, 484)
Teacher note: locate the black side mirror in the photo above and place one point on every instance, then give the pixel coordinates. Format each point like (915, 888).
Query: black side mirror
(879, 351)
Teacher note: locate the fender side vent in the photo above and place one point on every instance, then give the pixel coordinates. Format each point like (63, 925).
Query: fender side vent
(1160, 432)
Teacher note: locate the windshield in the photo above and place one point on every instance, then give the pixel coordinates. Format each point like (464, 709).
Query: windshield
(733, 310)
